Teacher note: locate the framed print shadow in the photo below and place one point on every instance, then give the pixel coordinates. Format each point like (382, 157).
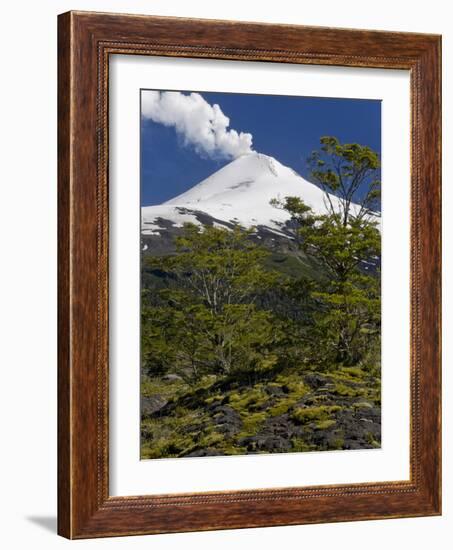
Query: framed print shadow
(249, 275)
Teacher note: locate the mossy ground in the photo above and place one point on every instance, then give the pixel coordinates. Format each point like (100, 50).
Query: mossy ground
(294, 412)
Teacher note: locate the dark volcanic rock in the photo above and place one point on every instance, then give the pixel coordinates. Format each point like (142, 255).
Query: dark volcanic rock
(353, 429)
(281, 426)
(265, 443)
(163, 240)
(225, 419)
(357, 425)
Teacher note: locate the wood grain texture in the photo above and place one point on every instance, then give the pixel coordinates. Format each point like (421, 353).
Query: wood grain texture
(64, 344)
(85, 42)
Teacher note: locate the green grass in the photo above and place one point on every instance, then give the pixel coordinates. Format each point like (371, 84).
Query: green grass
(347, 391)
(324, 424)
(251, 423)
(309, 414)
(248, 398)
(300, 446)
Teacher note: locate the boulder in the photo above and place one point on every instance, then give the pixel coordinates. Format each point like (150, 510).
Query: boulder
(226, 420)
(152, 405)
(171, 377)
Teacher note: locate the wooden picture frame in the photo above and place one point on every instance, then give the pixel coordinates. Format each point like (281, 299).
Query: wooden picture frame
(85, 42)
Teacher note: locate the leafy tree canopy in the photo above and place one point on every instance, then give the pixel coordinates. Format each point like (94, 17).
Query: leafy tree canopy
(344, 170)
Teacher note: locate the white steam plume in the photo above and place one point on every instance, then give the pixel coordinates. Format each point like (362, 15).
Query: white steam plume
(200, 124)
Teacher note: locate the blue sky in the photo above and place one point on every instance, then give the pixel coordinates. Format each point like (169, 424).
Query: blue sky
(285, 127)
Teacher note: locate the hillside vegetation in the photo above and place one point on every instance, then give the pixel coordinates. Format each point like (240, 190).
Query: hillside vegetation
(248, 348)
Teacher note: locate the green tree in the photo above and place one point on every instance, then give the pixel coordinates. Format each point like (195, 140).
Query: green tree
(346, 242)
(207, 321)
(351, 172)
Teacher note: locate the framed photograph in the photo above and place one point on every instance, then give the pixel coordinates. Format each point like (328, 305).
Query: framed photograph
(249, 275)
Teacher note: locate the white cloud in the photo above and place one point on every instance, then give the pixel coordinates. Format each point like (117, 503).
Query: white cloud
(200, 124)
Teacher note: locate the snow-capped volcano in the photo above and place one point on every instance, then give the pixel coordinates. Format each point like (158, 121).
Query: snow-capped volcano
(240, 192)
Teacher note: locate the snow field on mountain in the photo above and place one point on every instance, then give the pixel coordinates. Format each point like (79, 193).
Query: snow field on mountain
(239, 192)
